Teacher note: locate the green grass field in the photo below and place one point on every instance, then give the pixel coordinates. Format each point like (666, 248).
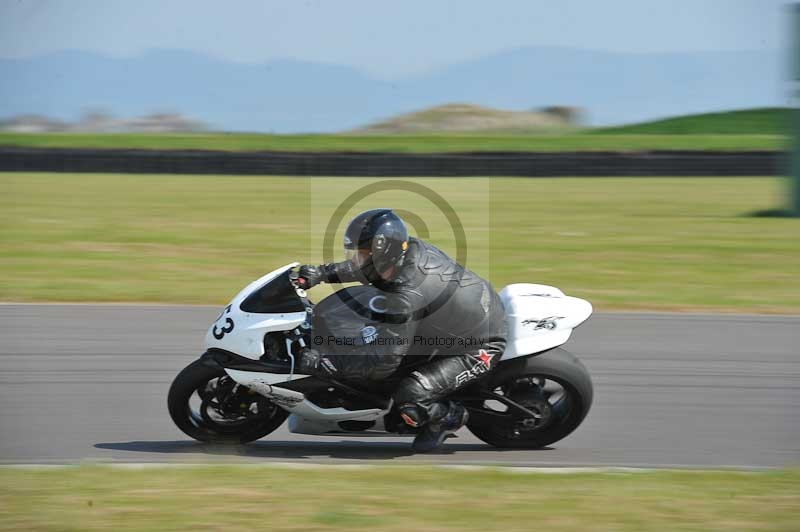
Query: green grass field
(622, 243)
(394, 499)
(399, 143)
(765, 121)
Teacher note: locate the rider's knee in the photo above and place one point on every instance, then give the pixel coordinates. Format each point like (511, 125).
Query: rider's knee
(413, 395)
(416, 388)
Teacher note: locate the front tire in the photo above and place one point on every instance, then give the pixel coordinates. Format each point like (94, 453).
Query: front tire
(554, 385)
(227, 412)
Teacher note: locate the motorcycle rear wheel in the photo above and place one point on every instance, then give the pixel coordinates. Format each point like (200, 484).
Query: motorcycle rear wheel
(554, 385)
(227, 412)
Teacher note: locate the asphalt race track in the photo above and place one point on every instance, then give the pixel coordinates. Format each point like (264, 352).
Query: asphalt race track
(89, 382)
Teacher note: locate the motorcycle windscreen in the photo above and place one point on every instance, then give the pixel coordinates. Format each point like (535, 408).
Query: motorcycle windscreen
(347, 329)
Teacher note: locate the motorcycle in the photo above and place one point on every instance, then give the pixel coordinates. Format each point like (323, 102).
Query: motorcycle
(245, 385)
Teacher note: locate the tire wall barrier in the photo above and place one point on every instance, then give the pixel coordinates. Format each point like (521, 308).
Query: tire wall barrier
(526, 164)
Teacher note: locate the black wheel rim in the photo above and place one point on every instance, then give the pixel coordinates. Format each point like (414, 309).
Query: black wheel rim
(552, 401)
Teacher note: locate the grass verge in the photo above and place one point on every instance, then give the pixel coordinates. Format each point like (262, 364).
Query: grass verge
(614, 140)
(622, 243)
(764, 121)
(394, 499)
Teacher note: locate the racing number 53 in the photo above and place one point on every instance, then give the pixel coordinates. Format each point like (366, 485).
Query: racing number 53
(219, 333)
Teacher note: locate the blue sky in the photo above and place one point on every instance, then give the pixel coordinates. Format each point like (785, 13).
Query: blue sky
(387, 39)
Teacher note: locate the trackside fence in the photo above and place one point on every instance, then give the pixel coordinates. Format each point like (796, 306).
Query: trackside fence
(528, 164)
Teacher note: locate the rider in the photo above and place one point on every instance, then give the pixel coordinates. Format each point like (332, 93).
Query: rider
(430, 296)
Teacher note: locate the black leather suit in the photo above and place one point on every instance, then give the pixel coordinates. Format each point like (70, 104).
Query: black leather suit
(434, 303)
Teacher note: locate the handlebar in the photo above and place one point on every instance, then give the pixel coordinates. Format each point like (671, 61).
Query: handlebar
(293, 278)
(301, 293)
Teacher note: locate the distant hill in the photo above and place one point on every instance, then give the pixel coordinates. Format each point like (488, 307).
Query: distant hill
(456, 128)
(454, 118)
(288, 96)
(764, 121)
(102, 123)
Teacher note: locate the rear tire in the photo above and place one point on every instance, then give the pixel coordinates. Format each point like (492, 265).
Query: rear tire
(558, 417)
(194, 379)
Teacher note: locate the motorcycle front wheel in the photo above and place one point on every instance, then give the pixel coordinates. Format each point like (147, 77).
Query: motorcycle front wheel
(554, 387)
(206, 404)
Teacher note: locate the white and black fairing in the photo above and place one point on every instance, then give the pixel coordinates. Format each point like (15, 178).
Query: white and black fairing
(255, 339)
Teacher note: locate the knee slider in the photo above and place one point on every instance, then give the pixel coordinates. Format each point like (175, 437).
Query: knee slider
(413, 415)
(414, 397)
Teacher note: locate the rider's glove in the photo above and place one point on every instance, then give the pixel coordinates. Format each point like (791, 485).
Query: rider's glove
(309, 276)
(312, 362)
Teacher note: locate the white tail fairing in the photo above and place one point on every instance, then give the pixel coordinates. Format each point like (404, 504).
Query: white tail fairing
(540, 317)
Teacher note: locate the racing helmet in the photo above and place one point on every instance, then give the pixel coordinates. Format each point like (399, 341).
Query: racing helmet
(376, 242)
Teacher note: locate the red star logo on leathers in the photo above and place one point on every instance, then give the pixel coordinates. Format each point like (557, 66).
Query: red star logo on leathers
(485, 357)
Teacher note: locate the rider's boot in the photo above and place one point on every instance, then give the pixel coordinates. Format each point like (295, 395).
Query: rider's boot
(445, 419)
